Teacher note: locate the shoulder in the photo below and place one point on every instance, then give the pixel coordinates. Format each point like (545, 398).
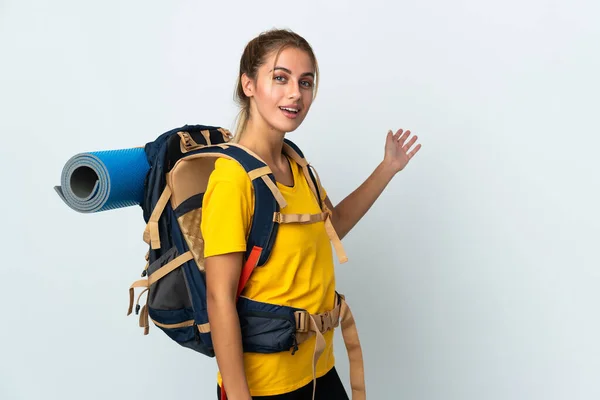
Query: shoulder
(228, 186)
(229, 168)
(227, 207)
(228, 199)
(229, 171)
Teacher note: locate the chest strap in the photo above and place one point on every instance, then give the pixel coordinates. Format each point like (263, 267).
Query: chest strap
(298, 218)
(312, 218)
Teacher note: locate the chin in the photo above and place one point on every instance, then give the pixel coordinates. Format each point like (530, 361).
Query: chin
(292, 128)
(286, 126)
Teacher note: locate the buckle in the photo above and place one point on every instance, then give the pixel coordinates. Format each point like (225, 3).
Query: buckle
(327, 214)
(326, 322)
(302, 318)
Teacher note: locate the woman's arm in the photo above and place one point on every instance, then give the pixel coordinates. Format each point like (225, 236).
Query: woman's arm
(222, 277)
(350, 210)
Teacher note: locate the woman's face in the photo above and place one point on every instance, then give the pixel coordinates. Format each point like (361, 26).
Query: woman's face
(283, 96)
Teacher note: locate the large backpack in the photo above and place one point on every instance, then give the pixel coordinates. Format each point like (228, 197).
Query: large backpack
(181, 161)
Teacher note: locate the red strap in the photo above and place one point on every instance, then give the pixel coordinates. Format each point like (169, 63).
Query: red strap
(248, 268)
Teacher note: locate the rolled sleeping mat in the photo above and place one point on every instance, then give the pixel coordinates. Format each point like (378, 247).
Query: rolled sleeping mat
(104, 180)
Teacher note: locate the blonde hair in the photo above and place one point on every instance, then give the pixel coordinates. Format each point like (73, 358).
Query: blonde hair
(254, 56)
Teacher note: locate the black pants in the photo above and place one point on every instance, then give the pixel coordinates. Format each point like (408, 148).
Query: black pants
(329, 387)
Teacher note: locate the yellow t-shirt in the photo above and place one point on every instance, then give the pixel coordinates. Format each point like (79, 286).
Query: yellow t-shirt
(299, 272)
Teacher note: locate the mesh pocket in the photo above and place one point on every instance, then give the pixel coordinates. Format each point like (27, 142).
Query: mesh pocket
(171, 291)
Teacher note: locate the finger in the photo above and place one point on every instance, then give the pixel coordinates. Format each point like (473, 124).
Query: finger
(390, 136)
(397, 134)
(408, 145)
(414, 151)
(403, 138)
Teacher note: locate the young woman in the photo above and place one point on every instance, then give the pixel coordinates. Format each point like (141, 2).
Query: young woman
(277, 84)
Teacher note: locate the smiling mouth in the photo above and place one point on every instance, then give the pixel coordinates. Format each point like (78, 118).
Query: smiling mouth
(291, 110)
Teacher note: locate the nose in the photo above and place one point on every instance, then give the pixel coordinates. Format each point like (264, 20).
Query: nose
(293, 91)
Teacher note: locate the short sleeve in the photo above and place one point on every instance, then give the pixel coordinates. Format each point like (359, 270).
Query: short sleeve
(226, 210)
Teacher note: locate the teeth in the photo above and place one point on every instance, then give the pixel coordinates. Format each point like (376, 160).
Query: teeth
(289, 109)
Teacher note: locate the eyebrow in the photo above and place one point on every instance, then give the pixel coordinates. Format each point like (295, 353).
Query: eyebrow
(290, 72)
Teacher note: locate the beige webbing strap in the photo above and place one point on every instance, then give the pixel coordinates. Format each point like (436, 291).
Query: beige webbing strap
(183, 324)
(137, 302)
(168, 267)
(144, 319)
(333, 236)
(289, 150)
(206, 134)
(308, 325)
(355, 357)
(263, 173)
(319, 348)
(186, 143)
(298, 218)
(204, 328)
(335, 240)
(258, 172)
(151, 234)
(226, 134)
(139, 283)
(275, 191)
(324, 322)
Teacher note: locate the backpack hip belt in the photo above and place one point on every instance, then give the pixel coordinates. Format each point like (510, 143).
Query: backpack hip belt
(308, 325)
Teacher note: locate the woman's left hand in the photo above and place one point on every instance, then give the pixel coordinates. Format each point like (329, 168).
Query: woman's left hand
(397, 150)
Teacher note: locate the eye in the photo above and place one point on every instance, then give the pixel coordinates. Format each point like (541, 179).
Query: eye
(307, 84)
(279, 78)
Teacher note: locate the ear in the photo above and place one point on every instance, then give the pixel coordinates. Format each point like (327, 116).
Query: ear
(247, 85)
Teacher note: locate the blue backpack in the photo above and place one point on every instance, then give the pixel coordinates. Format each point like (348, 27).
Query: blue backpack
(181, 161)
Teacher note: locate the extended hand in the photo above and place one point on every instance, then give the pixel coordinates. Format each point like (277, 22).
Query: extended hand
(397, 149)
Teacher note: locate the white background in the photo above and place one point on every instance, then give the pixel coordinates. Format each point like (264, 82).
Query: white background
(475, 275)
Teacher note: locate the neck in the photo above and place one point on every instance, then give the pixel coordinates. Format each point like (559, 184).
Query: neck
(265, 141)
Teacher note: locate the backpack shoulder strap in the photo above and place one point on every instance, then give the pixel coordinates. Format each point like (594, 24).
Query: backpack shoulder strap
(310, 173)
(268, 202)
(314, 182)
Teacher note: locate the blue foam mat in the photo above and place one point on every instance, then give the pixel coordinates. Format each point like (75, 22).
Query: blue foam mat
(104, 180)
